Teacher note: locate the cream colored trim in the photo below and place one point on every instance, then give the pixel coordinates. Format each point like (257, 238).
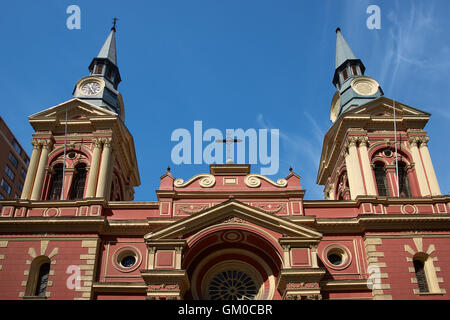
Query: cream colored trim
(31, 172)
(105, 168)
(430, 270)
(429, 169)
(419, 168)
(372, 255)
(207, 181)
(367, 170)
(254, 181)
(40, 173)
(354, 171)
(93, 173)
(88, 268)
(231, 208)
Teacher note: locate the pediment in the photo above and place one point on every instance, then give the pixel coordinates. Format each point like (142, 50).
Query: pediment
(232, 211)
(77, 110)
(384, 107)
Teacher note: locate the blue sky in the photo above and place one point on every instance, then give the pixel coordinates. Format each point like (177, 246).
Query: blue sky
(231, 64)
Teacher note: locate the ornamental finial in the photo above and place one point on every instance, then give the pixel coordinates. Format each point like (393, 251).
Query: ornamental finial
(114, 24)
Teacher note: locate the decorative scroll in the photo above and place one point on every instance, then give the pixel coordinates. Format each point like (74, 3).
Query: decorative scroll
(206, 181)
(302, 285)
(232, 219)
(254, 181)
(191, 209)
(271, 207)
(164, 287)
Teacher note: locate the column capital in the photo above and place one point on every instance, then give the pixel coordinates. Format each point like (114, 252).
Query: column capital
(97, 143)
(352, 141)
(364, 141)
(423, 141)
(414, 141)
(35, 143)
(45, 143)
(107, 142)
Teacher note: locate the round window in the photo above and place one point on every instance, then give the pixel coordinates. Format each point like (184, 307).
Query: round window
(128, 261)
(337, 257)
(71, 155)
(388, 153)
(232, 285)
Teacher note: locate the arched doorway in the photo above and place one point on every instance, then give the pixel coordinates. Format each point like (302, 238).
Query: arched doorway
(233, 264)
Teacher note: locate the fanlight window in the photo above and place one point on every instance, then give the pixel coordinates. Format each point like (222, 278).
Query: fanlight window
(232, 285)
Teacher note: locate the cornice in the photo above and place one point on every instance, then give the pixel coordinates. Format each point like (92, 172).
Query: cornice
(122, 287)
(59, 224)
(344, 285)
(225, 194)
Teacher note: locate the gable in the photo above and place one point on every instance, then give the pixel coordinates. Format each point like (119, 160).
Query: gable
(77, 109)
(229, 212)
(385, 107)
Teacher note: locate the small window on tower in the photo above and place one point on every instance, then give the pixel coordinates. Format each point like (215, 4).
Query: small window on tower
(99, 69)
(355, 70)
(109, 72)
(344, 74)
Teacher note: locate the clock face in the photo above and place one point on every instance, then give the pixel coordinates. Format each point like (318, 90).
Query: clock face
(91, 88)
(335, 106)
(365, 86)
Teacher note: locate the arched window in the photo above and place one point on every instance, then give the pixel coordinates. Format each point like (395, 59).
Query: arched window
(56, 183)
(403, 182)
(380, 177)
(79, 181)
(41, 284)
(419, 268)
(427, 280)
(38, 277)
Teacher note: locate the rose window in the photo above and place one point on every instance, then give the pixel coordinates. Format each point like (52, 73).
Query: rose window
(232, 285)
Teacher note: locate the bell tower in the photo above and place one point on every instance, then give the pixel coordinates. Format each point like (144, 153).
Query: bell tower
(82, 148)
(376, 146)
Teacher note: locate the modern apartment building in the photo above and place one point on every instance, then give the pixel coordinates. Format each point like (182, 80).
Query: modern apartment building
(13, 164)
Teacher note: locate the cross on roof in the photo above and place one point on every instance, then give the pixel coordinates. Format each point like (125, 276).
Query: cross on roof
(229, 141)
(114, 24)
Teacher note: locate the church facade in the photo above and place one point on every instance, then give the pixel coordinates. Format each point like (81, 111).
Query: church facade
(382, 232)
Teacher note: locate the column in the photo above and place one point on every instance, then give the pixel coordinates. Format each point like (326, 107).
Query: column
(367, 168)
(314, 256)
(421, 178)
(286, 257)
(37, 187)
(429, 169)
(31, 172)
(353, 170)
(330, 191)
(104, 169)
(93, 172)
